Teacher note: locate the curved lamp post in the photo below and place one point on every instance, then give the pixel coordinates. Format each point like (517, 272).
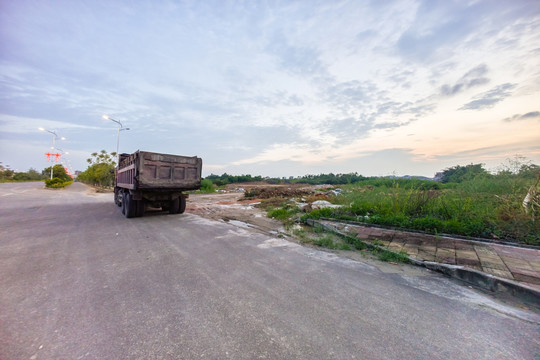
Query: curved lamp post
(55, 136)
(120, 128)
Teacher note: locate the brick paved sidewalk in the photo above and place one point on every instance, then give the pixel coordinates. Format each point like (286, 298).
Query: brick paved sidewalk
(508, 262)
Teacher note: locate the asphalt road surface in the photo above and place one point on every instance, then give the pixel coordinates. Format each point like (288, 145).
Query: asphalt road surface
(80, 281)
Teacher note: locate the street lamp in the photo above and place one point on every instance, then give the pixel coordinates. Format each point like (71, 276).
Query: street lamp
(120, 128)
(55, 136)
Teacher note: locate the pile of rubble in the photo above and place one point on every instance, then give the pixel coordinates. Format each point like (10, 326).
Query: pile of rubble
(276, 191)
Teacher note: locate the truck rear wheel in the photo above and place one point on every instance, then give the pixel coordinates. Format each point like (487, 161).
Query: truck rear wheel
(182, 206)
(129, 205)
(175, 206)
(117, 197)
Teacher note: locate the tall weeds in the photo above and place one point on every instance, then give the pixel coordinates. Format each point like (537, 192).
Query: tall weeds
(482, 207)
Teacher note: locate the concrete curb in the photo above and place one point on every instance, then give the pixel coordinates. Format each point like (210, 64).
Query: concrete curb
(484, 281)
(473, 277)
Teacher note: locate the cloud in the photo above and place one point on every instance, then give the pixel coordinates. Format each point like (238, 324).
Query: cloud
(527, 116)
(489, 98)
(438, 24)
(474, 77)
(346, 130)
(297, 59)
(352, 95)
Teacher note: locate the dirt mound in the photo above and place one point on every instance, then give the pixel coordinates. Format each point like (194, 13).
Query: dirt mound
(275, 191)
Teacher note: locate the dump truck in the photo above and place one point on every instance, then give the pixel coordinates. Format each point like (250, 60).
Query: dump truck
(146, 179)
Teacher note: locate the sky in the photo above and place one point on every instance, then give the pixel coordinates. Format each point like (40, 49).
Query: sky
(273, 88)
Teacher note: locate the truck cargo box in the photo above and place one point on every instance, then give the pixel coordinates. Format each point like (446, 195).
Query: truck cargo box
(153, 171)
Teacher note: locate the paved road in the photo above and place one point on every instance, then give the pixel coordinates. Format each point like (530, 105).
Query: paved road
(79, 281)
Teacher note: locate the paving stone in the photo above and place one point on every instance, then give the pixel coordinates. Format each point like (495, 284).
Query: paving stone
(465, 254)
(479, 268)
(429, 249)
(499, 273)
(484, 249)
(448, 260)
(375, 232)
(490, 259)
(517, 264)
(445, 252)
(429, 256)
(527, 276)
(411, 249)
(445, 256)
(498, 266)
(362, 235)
(400, 237)
(399, 240)
(413, 240)
(493, 259)
(468, 262)
(387, 236)
(461, 245)
(445, 243)
(535, 265)
(521, 253)
(395, 246)
(384, 243)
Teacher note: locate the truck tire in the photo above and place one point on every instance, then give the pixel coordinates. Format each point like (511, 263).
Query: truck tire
(175, 206)
(117, 197)
(130, 205)
(182, 206)
(123, 204)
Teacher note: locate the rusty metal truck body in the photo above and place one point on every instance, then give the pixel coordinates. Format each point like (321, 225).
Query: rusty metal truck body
(145, 179)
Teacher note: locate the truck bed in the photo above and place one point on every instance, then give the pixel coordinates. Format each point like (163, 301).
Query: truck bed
(154, 171)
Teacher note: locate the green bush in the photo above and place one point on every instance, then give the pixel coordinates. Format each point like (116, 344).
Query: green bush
(428, 224)
(281, 214)
(317, 214)
(56, 183)
(207, 186)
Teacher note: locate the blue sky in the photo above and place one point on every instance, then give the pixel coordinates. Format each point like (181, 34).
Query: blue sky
(274, 88)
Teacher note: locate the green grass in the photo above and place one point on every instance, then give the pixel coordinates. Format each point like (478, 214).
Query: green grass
(319, 237)
(486, 207)
(389, 256)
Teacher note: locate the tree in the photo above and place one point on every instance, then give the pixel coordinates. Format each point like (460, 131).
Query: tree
(5, 172)
(458, 173)
(30, 175)
(100, 172)
(58, 172)
(519, 166)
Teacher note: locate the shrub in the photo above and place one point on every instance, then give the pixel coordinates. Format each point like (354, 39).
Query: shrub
(207, 186)
(428, 224)
(280, 214)
(317, 214)
(56, 183)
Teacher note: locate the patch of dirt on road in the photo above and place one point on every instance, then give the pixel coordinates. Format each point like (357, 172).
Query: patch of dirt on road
(232, 207)
(238, 204)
